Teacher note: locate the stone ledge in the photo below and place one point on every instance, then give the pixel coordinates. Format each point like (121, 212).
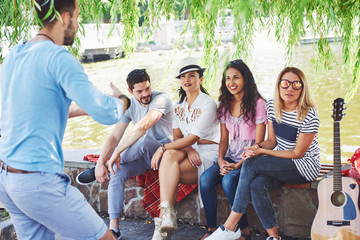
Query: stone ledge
(295, 208)
(74, 157)
(96, 194)
(7, 230)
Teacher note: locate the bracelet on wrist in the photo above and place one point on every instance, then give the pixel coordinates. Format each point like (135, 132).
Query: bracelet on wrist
(163, 148)
(122, 96)
(259, 145)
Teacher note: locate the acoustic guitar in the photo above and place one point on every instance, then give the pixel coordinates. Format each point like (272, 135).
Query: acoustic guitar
(338, 214)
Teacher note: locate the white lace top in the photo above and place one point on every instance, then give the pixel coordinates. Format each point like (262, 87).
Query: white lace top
(200, 119)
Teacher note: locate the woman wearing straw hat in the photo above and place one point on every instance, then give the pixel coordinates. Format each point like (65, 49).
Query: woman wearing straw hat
(195, 145)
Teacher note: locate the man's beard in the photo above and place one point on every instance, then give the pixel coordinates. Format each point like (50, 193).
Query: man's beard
(69, 35)
(145, 102)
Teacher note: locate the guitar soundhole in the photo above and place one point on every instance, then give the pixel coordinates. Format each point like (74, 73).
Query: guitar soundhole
(338, 198)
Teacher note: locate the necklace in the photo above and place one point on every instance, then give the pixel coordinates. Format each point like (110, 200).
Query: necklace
(42, 34)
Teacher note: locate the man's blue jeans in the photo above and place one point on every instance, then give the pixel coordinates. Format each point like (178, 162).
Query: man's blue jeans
(258, 176)
(42, 204)
(134, 161)
(208, 180)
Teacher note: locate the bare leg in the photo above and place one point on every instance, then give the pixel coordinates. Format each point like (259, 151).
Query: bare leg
(232, 220)
(169, 174)
(188, 173)
(108, 236)
(174, 168)
(273, 232)
(114, 223)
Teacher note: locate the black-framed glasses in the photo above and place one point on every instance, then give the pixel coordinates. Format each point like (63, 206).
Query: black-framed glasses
(285, 84)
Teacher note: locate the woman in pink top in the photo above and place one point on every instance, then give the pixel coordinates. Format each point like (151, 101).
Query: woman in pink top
(242, 114)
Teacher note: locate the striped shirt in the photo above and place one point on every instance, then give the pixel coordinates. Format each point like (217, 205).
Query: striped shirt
(287, 133)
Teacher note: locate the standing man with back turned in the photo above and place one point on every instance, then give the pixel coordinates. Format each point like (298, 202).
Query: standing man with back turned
(39, 79)
(151, 113)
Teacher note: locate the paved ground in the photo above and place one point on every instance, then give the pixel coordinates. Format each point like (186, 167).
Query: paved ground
(140, 229)
(136, 229)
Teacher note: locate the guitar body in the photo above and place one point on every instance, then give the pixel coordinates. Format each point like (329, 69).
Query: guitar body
(338, 214)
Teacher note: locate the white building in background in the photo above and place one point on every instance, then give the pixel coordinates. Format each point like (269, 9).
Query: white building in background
(97, 45)
(96, 42)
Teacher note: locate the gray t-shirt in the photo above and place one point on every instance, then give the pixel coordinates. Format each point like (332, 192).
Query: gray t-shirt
(162, 130)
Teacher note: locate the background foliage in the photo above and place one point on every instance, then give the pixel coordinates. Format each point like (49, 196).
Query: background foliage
(289, 18)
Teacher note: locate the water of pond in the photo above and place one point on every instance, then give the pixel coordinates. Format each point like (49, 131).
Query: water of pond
(266, 61)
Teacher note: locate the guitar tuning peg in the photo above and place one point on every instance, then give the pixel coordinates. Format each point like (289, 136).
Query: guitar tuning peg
(332, 115)
(344, 114)
(345, 108)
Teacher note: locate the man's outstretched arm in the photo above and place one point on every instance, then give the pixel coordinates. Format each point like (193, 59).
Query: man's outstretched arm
(107, 150)
(135, 133)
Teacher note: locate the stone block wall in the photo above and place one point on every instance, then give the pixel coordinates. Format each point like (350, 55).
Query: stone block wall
(188, 210)
(7, 231)
(295, 208)
(96, 194)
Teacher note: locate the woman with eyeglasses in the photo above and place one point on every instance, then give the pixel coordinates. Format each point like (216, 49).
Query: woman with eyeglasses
(291, 154)
(195, 145)
(242, 115)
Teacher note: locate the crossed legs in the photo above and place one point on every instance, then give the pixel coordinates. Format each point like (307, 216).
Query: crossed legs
(258, 175)
(175, 168)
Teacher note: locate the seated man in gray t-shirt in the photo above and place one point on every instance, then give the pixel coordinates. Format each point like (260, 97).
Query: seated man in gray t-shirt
(151, 114)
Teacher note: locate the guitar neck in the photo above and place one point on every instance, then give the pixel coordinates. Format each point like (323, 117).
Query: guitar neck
(337, 157)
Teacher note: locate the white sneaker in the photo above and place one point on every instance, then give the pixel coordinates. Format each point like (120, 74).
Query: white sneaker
(273, 238)
(158, 235)
(168, 217)
(222, 233)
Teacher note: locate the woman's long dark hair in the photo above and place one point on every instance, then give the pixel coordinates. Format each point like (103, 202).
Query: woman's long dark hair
(251, 93)
(182, 93)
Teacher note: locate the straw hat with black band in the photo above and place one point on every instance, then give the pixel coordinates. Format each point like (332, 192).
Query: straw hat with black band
(189, 64)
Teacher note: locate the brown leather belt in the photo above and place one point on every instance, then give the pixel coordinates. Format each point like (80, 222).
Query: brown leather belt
(13, 170)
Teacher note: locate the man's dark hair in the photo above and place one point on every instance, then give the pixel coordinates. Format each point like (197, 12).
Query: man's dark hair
(137, 76)
(60, 6)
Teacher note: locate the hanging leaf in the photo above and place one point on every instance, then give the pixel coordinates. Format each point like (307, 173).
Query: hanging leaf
(285, 20)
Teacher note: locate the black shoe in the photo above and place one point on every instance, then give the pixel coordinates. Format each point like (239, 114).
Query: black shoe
(86, 177)
(117, 234)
